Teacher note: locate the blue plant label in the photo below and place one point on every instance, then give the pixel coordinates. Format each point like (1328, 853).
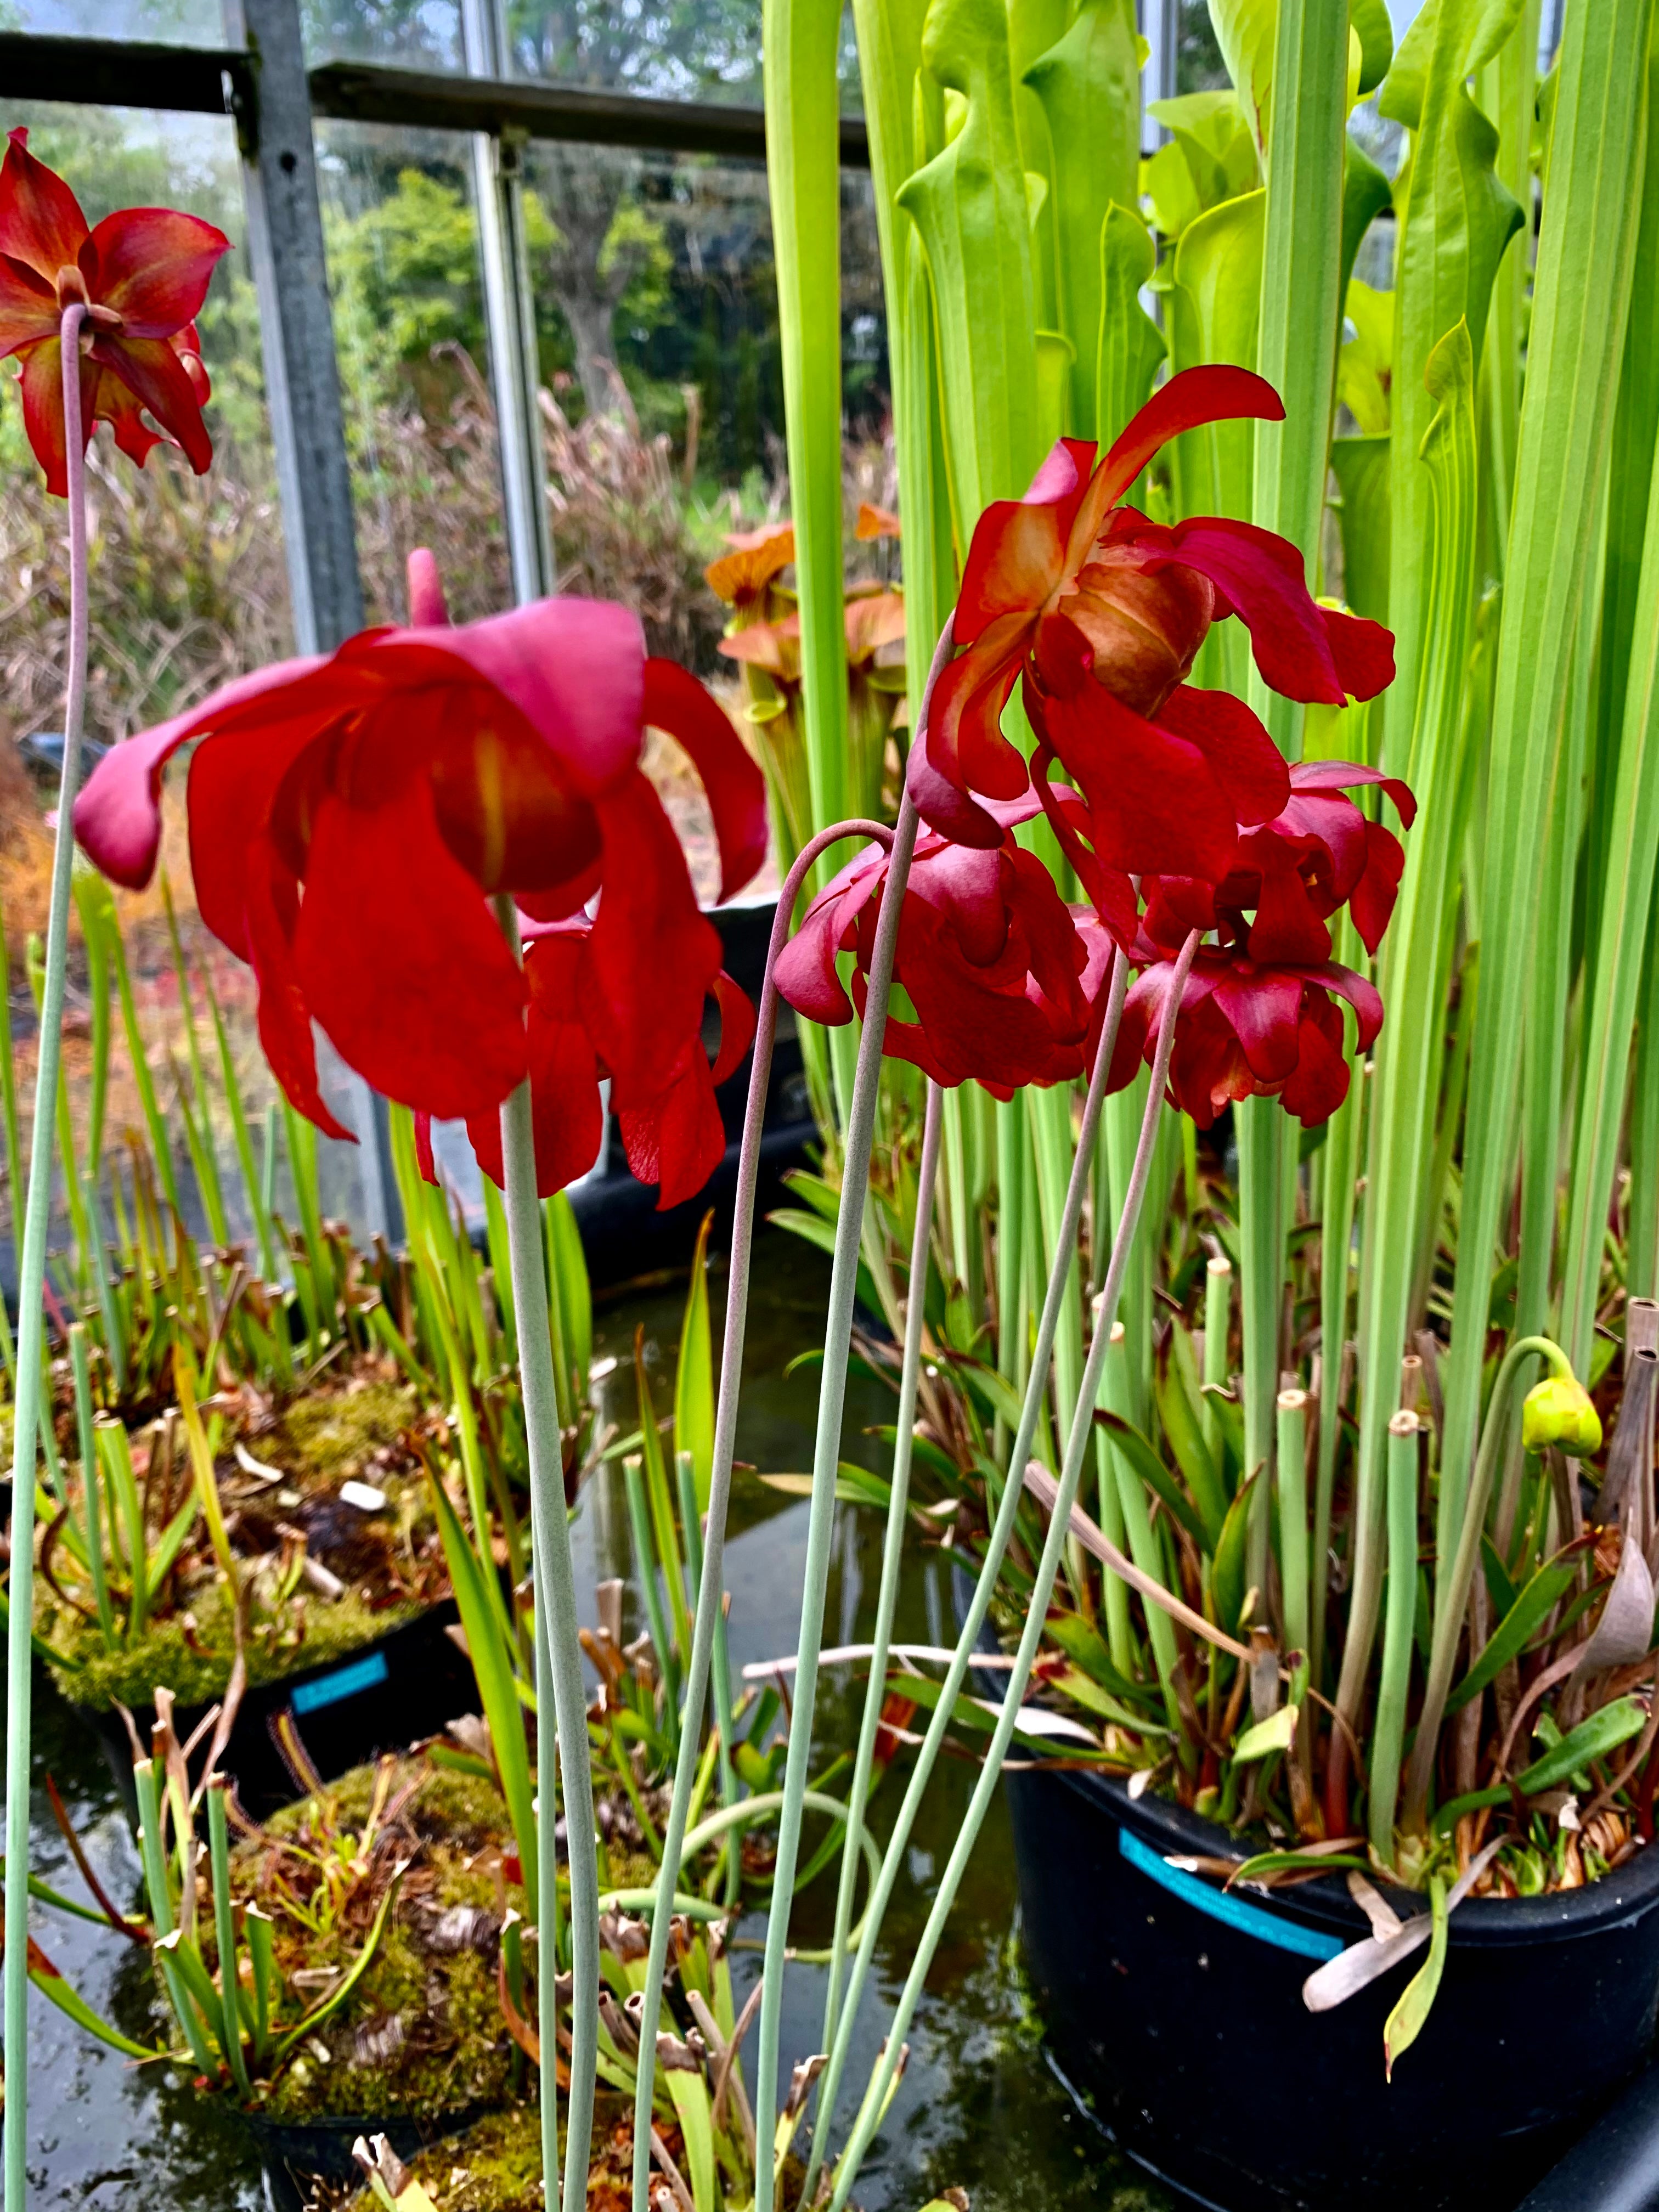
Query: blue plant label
(1249, 1919)
(344, 1682)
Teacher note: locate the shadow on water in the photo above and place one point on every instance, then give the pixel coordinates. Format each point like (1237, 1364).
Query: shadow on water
(979, 2106)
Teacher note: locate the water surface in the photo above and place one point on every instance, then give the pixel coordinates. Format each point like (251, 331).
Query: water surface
(981, 2105)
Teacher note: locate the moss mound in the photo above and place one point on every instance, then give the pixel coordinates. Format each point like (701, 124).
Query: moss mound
(496, 2167)
(194, 1660)
(421, 2033)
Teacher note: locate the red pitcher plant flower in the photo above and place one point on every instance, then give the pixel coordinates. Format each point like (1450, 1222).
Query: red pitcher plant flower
(1006, 982)
(1257, 1016)
(142, 275)
(1103, 612)
(1246, 1028)
(352, 816)
(1290, 875)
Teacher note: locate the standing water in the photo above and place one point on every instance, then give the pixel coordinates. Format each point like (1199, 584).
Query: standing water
(981, 2105)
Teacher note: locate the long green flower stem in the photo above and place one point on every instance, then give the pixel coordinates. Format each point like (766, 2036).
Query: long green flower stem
(1448, 1615)
(30, 1311)
(555, 1607)
(1076, 1450)
(710, 1593)
(996, 1546)
(891, 1554)
(826, 1458)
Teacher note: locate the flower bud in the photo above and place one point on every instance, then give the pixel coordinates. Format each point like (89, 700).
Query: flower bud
(1558, 1411)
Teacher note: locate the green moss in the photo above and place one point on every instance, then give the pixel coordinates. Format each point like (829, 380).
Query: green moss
(496, 2166)
(332, 1435)
(164, 1653)
(422, 2034)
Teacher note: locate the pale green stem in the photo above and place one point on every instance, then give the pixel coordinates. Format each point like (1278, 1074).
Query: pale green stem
(826, 1458)
(1448, 1614)
(556, 1606)
(892, 1556)
(30, 1311)
(1389, 1731)
(1077, 1444)
(894, 1858)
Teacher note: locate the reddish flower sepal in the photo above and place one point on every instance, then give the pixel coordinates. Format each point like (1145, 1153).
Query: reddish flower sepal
(1092, 597)
(1289, 875)
(350, 819)
(1249, 1029)
(1006, 981)
(143, 274)
(669, 1118)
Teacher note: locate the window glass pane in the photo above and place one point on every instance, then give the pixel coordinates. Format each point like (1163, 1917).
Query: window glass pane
(400, 223)
(155, 22)
(189, 587)
(701, 49)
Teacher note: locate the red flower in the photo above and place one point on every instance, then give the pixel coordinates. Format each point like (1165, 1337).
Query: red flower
(1290, 874)
(1006, 982)
(351, 817)
(143, 274)
(1105, 611)
(1248, 1029)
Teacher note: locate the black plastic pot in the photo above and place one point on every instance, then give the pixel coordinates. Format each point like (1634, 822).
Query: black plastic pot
(1615, 2167)
(297, 2152)
(1178, 2010)
(408, 1683)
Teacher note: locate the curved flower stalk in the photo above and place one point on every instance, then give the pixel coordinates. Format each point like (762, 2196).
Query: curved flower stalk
(102, 320)
(710, 1589)
(1076, 1448)
(139, 278)
(381, 797)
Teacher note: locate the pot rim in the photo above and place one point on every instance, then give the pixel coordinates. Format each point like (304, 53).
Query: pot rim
(1628, 1892)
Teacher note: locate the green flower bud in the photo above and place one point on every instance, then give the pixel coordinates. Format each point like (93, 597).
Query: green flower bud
(1558, 1411)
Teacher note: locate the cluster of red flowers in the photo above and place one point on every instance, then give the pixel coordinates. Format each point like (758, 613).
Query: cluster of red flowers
(1174, 808)
(353, 817)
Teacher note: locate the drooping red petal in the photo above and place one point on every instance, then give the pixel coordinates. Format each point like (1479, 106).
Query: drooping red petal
(1371, 902)
(117, 816)
(42, 386)
(1297, 652)
(153, 267)
(1319, 1081)
(117, 406)
(1343, 776)
(1285, 927)
(40, 219)
(565, 1111)
(232, 782)
(28, 306)
(401, 962)
(1361, 994)
(1154, 805)
(651, 957)
(675, 702)
(153, 373)
(424, 1156)
(284, 1016)
(1216, 393)
(1261, 1010)
(1242, 757)
(676, 1139)
(737, 1027)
